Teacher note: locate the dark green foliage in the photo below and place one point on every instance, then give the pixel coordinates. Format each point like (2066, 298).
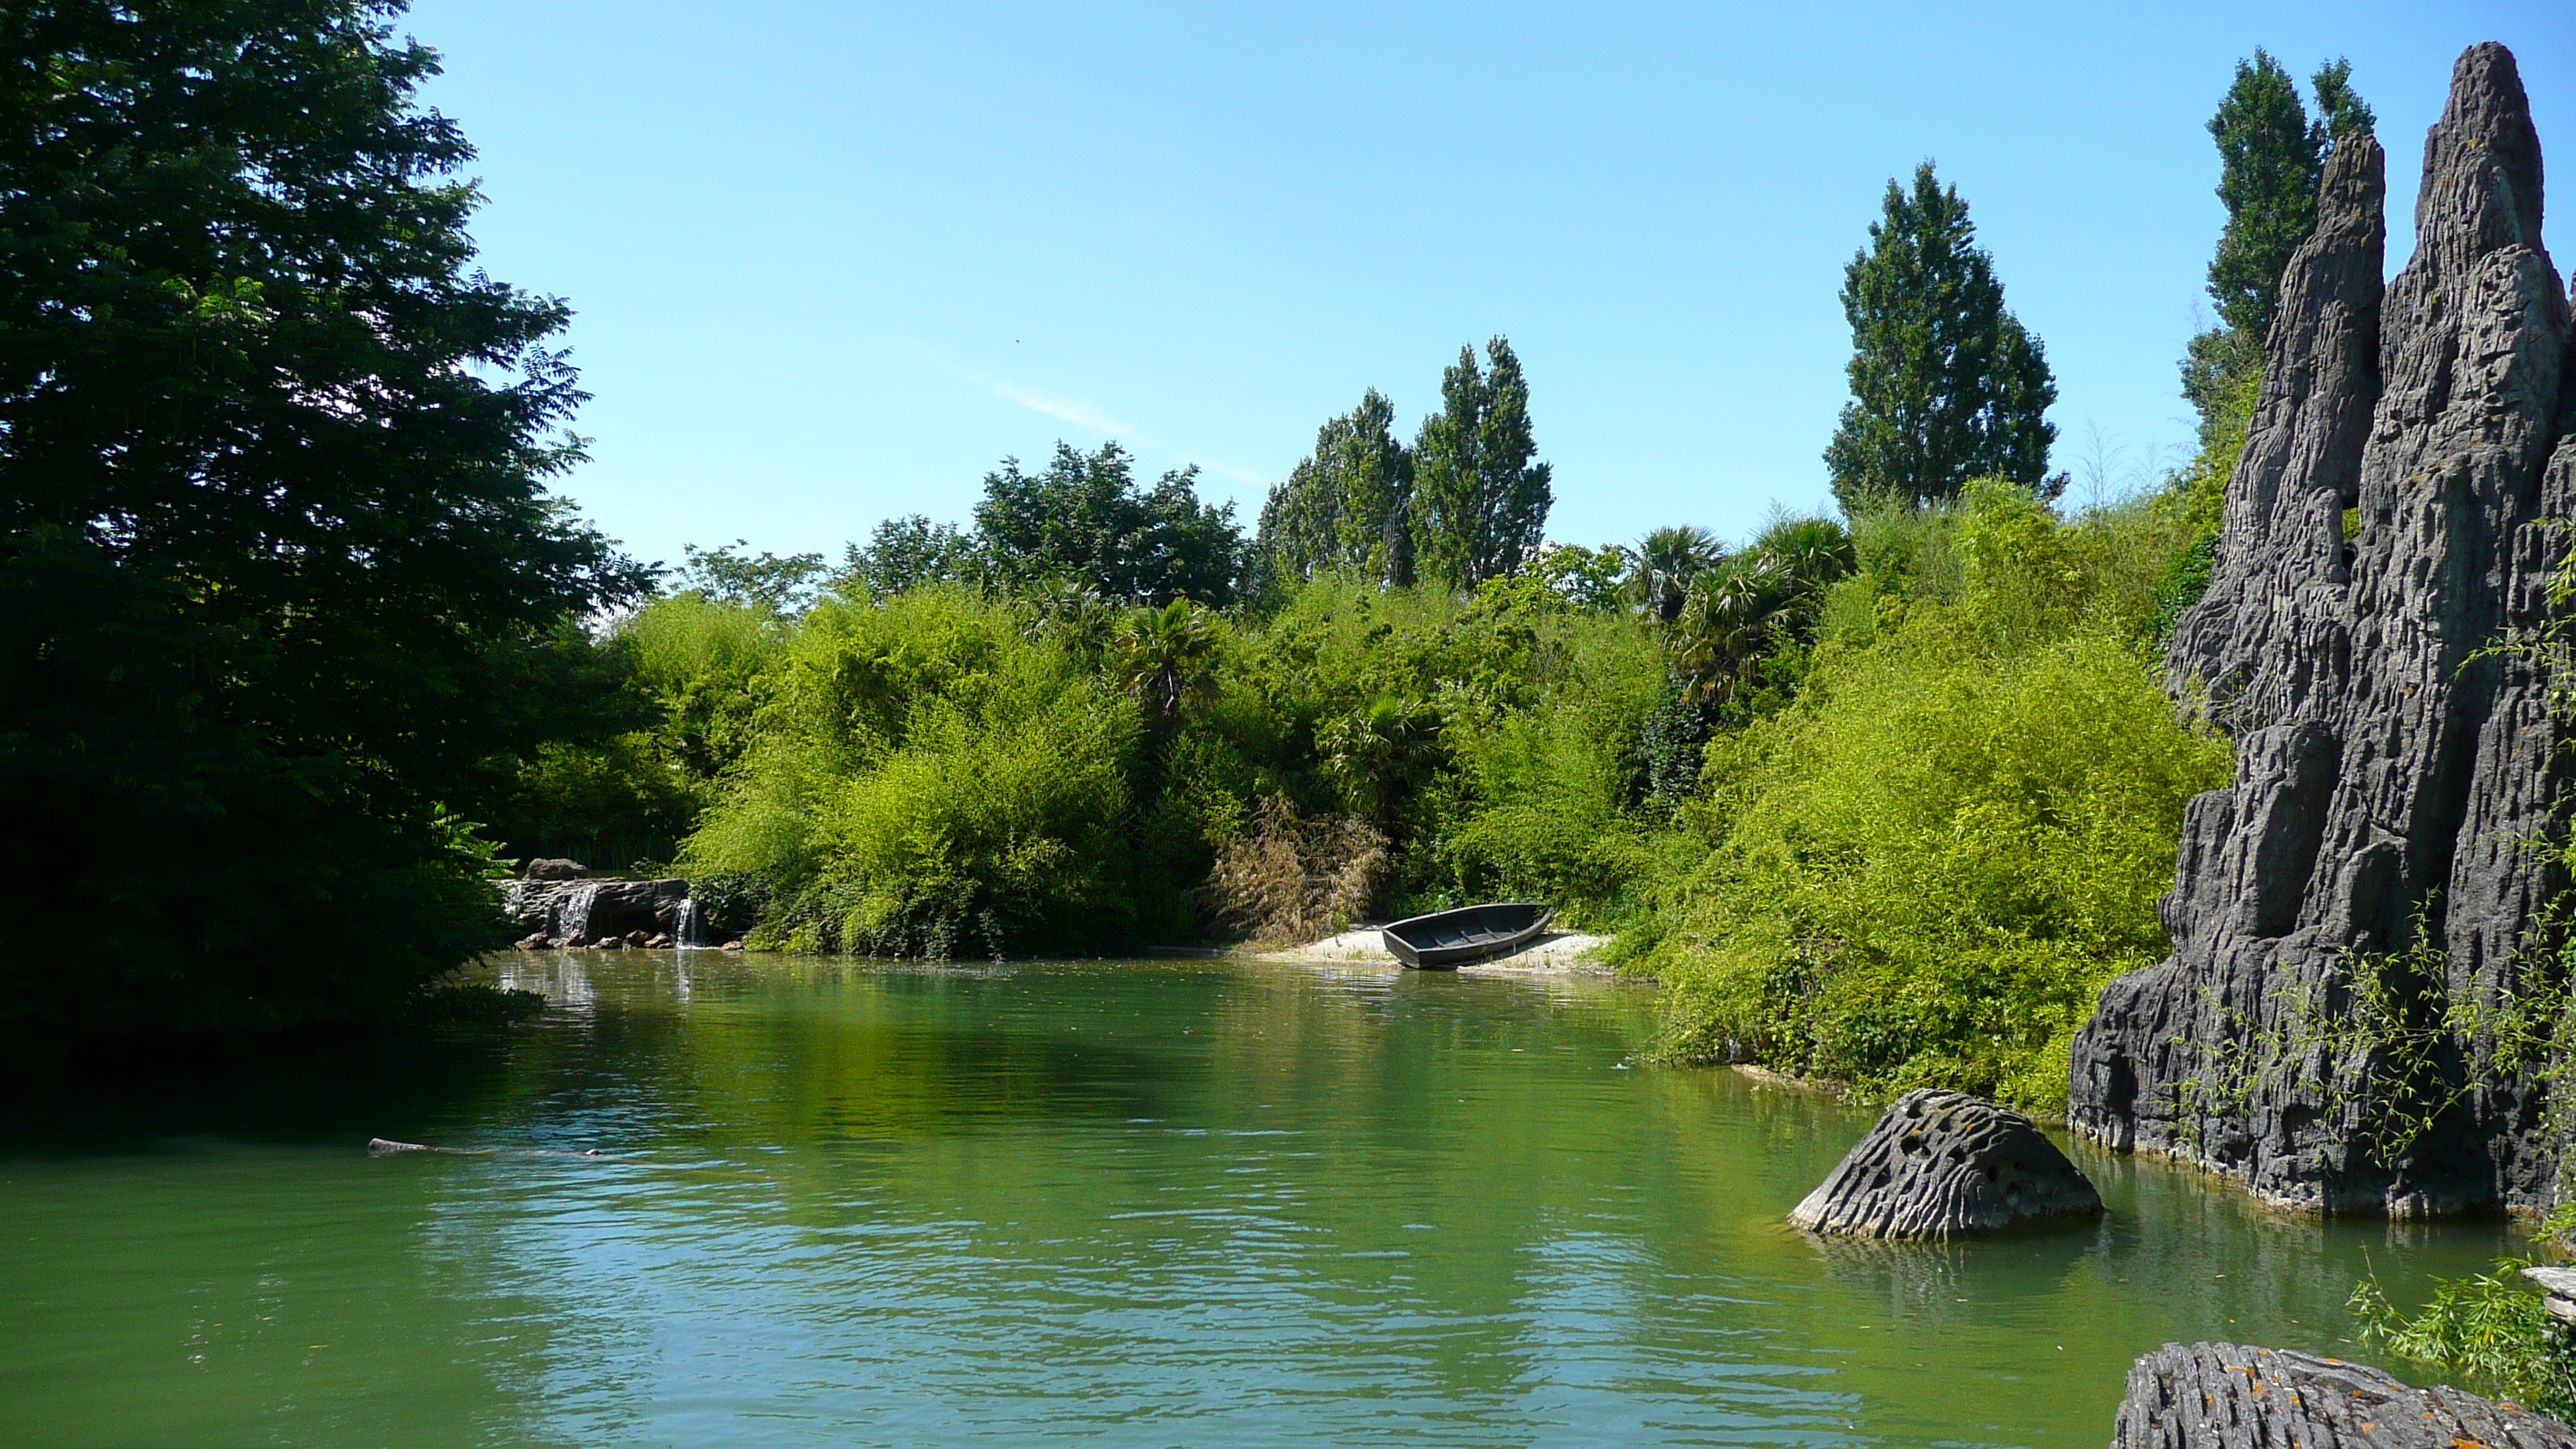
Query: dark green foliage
(1946, 384)
(1347, 505)
(2271, 159)
(907, 553)
(1084, 521)
(2340, 109)
(475, 1004)
(272, 524)
(2184, 586)
(733, 575)
(606, 788)
(1754, 608)
(1166, 658)
(1671, 744)
(1666, 563)
(1481, 499)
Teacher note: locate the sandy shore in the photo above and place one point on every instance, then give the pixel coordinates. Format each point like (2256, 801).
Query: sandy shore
(1552, 951)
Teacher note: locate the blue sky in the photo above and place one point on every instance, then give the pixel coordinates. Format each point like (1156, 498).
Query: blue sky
(830, 263)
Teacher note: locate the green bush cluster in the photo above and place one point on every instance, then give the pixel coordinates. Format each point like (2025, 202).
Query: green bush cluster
(955, 771)
(924, 778)
(1924, 870)
(1886, 804)
(2493, 1329)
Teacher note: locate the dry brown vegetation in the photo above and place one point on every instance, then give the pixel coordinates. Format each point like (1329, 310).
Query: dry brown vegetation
(1288, 879)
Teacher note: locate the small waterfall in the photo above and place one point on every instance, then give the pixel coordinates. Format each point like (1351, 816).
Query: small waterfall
(689, 931)
(571, 914)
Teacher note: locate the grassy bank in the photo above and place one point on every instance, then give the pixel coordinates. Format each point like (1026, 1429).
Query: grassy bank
(1884, 803)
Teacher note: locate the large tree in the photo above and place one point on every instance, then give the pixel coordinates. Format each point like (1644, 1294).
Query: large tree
(1946, 384)
(1084, 522)
(275, 543)
(1480, 499)
(1346, 505)
(2271, 158)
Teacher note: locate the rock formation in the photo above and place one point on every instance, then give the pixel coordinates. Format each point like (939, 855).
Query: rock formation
(1942, 1165)
(2351, 1019)
(2559, 1287)
(579, 912)
(2221, 1396)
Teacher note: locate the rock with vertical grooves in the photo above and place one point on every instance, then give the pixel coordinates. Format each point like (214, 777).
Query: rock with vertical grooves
(2222, 1396)
(1944, 1165)
(2393, 766)
(581, 910)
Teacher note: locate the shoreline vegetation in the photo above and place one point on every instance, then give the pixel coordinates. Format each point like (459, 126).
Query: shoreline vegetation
(1884, 803)
(299, 655)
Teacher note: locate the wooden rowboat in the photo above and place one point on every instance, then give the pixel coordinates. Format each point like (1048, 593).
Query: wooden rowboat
(1446, 940)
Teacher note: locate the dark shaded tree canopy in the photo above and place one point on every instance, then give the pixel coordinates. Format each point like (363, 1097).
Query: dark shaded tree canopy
(2271, 158)
(1085, 522)
(1481, 499)
(735, 575)
(274, 536)
(1946, 384)
(1346, 505)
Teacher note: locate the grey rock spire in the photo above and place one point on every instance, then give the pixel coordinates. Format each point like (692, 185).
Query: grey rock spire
(2354, 919)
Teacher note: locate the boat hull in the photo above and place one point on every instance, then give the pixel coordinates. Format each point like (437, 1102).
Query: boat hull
(1447, 940)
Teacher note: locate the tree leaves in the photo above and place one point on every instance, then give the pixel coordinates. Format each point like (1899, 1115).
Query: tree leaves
(1946, 384)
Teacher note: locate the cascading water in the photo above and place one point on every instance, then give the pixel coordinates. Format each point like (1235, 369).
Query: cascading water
(571, 914)
(689, 931)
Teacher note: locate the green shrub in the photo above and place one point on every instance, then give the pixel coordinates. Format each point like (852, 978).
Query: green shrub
(1924, 871)
(928, 780)
(2490, 1328)
(1544, 796)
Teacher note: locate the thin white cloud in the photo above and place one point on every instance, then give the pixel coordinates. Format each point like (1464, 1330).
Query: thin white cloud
(1082, 415)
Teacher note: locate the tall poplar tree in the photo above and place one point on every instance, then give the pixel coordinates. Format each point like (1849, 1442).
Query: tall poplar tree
(1345, 506)
(1946, 384)
(275, 542)
(1480, 499)
(2271, 158)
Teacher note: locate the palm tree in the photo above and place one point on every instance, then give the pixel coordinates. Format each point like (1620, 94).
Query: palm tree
(1166, 658)
(1073, 616)
(1376, 755)
(1737, 615)
(1665, 563)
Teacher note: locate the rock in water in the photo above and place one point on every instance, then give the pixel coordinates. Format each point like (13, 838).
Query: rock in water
(1943, 1165)
(2366, 887)
(581, 910)
(556, 870)
(2221, 1396)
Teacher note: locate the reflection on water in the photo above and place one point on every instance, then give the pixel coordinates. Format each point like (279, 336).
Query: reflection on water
(1201, 1203)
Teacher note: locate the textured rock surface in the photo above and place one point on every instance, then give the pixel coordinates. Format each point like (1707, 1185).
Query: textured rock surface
(583, 911)
(2221, 1396)
(2390, 777)
(1942, 1165)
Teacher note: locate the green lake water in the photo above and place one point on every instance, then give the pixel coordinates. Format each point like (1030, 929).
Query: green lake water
(1203, 1203)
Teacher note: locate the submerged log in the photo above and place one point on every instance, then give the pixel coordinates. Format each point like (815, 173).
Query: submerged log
(2224, 1396)
(1945, 1164)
